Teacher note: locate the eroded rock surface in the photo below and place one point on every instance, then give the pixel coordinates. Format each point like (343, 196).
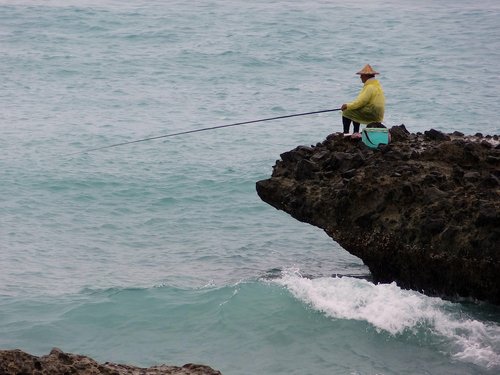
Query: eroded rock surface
(17, 362)
(423, 211)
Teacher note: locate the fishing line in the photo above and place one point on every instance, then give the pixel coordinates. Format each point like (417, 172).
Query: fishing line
(205, 129)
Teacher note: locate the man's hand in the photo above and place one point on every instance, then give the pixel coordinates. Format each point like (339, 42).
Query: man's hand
(344, 107)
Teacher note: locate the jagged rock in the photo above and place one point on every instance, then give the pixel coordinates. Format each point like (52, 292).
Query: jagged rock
(399, 133)
(17, 362)
(436, 135)
(423, 211)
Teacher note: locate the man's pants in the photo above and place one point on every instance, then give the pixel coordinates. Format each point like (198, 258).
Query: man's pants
(347, 122)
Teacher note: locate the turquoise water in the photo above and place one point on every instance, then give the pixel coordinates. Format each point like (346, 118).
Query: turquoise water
(161, 251)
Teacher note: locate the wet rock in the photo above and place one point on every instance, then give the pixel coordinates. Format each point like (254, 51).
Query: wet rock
(422, 211)
(17, 362)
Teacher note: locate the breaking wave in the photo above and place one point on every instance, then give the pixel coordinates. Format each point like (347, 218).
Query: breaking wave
(388, 308)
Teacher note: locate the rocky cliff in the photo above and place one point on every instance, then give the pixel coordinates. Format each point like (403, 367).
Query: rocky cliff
(423, 211)
(17, 362)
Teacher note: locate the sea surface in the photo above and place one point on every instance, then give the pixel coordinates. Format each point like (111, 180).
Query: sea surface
(161, 251)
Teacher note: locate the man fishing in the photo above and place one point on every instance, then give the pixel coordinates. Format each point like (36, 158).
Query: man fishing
(369, 106)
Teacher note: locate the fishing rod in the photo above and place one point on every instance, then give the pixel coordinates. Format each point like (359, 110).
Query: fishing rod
(205, 129)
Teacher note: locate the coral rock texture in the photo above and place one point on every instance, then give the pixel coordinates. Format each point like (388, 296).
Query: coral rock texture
(17, 362)
(423, 211)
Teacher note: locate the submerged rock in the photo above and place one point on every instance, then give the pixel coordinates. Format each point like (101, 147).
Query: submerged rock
(423, 211)
(17, 362)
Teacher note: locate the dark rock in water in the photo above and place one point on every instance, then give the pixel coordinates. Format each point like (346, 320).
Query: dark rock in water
(423, 211)
(17, 362)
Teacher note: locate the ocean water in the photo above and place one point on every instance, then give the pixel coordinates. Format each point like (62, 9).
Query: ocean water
(161, 251)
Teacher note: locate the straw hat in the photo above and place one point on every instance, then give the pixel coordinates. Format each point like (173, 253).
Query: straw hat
(367, 70)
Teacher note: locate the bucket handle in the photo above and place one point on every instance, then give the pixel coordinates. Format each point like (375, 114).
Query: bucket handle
(367, 137)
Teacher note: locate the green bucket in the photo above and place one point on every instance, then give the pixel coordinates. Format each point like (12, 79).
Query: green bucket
(372, 137)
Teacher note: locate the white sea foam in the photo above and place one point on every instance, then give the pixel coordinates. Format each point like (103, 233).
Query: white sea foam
(396, 311)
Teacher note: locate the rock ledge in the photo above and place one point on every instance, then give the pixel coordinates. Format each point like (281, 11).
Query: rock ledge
(423, 211)
(17, 362)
